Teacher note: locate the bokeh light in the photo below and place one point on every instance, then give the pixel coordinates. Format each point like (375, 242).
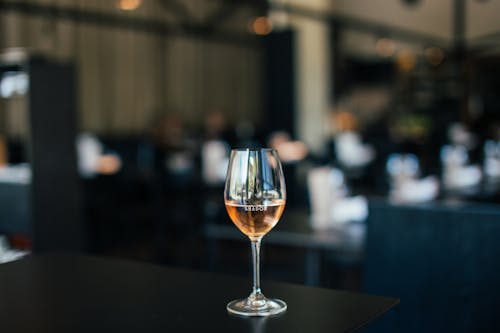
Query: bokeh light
(434, 55)
(406, 60)
(261, 26)
(128, 4)
(385, 47)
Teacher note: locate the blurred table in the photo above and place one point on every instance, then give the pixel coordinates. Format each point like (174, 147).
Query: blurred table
(70, 293)
(344, 242)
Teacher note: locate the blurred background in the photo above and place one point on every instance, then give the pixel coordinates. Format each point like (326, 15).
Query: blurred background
(117, 118)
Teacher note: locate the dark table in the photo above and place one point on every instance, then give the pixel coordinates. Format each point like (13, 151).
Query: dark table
(345, 242)
(73, 293)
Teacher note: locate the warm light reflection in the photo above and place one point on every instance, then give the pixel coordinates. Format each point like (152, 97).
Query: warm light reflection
(406, 60)
(128, 4)
(261, 26)
(434, 55)
(385, 47)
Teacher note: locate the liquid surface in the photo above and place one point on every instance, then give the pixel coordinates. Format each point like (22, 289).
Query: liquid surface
(255, 220)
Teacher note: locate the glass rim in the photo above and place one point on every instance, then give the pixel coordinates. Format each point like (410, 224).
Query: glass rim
(253, 149)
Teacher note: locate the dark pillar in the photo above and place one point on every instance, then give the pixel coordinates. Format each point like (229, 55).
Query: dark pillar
(55, 191)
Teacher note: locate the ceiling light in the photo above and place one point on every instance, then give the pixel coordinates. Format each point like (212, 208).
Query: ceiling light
(261, 25)
(128, 4)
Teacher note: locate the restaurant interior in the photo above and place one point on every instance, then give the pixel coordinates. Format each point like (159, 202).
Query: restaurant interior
(117, 119)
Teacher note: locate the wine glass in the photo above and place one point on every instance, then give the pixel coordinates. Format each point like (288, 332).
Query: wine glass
(255, 197)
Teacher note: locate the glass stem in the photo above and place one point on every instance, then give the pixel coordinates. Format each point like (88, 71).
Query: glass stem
(256, 267)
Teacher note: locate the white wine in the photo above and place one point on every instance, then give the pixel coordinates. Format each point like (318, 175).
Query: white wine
(255, 220)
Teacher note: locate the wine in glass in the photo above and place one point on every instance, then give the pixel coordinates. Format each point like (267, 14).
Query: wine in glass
(255, 197)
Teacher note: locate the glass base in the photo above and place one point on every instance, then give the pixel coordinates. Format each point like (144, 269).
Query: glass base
(256, 306)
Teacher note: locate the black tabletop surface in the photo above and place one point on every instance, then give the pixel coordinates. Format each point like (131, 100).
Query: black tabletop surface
(73, 293)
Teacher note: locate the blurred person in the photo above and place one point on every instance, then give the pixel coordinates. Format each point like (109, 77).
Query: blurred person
(175, 188)
(457, 173)
(168, 132)
(351, 153)
(214, 160)
(9, 171)
(329, 199)
(290, 151)
(7, 252)
(246, 135)
(92, 160)
(405, 184)
(216, 127)
(459, 134)
(491, 159)
(174, 151)
(215, 148)
(457, 159)
(402, 167)
(100, 198)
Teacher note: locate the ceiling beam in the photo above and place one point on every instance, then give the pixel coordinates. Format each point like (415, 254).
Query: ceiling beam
(153, 26)
(349, 22)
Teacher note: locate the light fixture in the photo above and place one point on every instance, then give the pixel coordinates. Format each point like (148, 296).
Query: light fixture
(260, 25)
(434, 55)
(385, 47)
(406, 60)
(128, 5)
